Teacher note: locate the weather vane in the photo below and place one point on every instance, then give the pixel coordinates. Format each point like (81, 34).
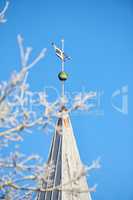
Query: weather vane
(63, 76)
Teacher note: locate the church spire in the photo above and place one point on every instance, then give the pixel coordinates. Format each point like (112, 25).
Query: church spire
(68, 179)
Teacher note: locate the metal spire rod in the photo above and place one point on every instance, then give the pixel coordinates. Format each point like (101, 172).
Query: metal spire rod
(63, 76)
(62, 69)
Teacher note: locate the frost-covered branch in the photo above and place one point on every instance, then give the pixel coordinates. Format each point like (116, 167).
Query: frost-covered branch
(21, 172)
(80, 101)
(25, 54)
(3, 12)
(95, 165)
(16, 100)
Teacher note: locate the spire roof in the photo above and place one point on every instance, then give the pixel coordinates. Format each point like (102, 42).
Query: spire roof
(67, 180)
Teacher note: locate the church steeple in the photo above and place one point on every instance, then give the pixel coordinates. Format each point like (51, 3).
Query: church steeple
(68, 180)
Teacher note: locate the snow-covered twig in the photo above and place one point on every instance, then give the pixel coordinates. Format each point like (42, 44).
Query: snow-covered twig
(2, 13)
(25, 54)
(80, 101)
(95, 165)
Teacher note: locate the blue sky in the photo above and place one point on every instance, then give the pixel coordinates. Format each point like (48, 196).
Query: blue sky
(99, 38)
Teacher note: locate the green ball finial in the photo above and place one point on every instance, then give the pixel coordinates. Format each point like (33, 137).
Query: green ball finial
(63, 76)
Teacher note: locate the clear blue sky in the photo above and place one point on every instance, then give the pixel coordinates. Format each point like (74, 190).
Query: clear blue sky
(99, 38)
